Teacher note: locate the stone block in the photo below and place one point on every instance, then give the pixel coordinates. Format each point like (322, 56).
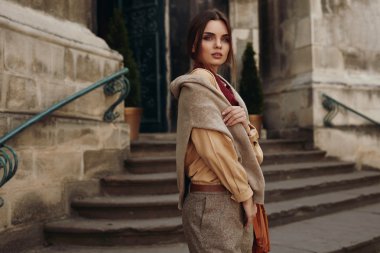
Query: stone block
(301, 8)
(80, 189)
(3, 125)
(354, 59)
(58, 164)
(78, 133)
(33, 56)
(69, 66)
(21, 94)
(88, 67)
(36, 205)
(52, 93)
(110, 135)
(41, 134)
(17, 52)
(103, 162)
(25, 166)
(124, 136)
(301, 61)
(1, 51)
(4, 212)
(328, 58)
(244, 14)
(303, 37)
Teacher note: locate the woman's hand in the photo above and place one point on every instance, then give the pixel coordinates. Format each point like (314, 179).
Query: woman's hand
(250, 210)
(235, 114)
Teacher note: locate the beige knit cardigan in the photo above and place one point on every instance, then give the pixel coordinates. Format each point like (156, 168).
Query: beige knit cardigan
(200, 105)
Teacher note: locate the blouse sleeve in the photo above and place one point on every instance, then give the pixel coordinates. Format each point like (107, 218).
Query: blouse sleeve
(218, 152)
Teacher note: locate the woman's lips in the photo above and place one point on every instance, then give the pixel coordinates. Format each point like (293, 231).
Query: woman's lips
(217, 55)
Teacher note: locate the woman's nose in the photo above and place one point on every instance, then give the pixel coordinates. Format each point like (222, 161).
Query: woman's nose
(218, 43)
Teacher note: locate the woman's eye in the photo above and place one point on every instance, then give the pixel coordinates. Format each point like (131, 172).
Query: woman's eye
(207, 37)
(226, 39)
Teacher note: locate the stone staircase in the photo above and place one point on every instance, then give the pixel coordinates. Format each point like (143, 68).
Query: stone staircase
(311, 200)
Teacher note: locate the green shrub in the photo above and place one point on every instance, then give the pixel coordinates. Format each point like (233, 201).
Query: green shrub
(117, 39)
(250, 88)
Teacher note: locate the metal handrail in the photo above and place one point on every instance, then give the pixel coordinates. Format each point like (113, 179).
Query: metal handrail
(113, 84)
(332, 106)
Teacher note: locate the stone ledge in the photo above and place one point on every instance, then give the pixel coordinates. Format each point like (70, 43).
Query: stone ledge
(66, 33)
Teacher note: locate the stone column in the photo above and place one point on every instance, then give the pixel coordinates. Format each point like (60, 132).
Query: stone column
(286, 63)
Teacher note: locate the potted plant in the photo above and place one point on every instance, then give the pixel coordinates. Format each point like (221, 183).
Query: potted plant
(250, 87)
(117, 39)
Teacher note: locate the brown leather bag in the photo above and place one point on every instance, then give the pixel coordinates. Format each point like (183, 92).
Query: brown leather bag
(261, 243)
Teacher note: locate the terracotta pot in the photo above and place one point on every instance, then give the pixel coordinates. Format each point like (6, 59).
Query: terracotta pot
(257, 121)
(132, 116)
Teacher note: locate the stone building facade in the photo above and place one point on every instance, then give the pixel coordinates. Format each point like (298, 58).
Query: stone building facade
(310, 48)
(48, 52)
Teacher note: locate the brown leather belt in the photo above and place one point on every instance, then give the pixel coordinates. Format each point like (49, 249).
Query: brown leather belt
(207, 188)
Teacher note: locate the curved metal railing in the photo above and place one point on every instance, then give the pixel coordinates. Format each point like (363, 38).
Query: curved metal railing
(332, 106)
(113, 84)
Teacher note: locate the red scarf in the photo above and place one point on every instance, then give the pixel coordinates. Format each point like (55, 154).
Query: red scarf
(224, 87)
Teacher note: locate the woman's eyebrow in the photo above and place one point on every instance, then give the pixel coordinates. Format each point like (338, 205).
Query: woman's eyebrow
(210, 33)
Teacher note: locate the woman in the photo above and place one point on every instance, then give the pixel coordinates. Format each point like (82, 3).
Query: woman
(219, 176)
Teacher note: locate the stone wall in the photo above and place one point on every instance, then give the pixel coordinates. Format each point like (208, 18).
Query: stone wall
(72, 10)
(245, 28)
(44, 59)
(310, 48)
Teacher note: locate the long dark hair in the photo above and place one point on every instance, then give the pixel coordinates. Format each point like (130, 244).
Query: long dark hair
(195, 33)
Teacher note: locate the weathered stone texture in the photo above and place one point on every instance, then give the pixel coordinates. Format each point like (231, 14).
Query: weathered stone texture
(1, 51)
(21, 94)
(58, 164)
(352, 27)
(102, 162)
(83, 134)
(73, 10)
(286, 39)
(36, 205)
(289, 110)
(25, 167)
(360, 144)
(31, 56)
(362, 99)
(41, 134)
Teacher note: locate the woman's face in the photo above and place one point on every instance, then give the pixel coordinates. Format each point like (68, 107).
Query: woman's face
(215, 45)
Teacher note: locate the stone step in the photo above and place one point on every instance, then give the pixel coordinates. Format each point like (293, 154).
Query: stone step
(140, 148)
(276, 172)
(78, 231)
(157, 136)
(167, 164)
(355, 231)
(138, 184)
(156, 248)
(287, 211)
(131, 207)
(164, 183)
(279, 213)
(293, 156)
(296, 188)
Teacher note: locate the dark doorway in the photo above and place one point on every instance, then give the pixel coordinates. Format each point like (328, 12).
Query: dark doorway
(145, 23)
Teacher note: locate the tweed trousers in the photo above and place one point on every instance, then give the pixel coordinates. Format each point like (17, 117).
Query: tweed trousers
(213, 223)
